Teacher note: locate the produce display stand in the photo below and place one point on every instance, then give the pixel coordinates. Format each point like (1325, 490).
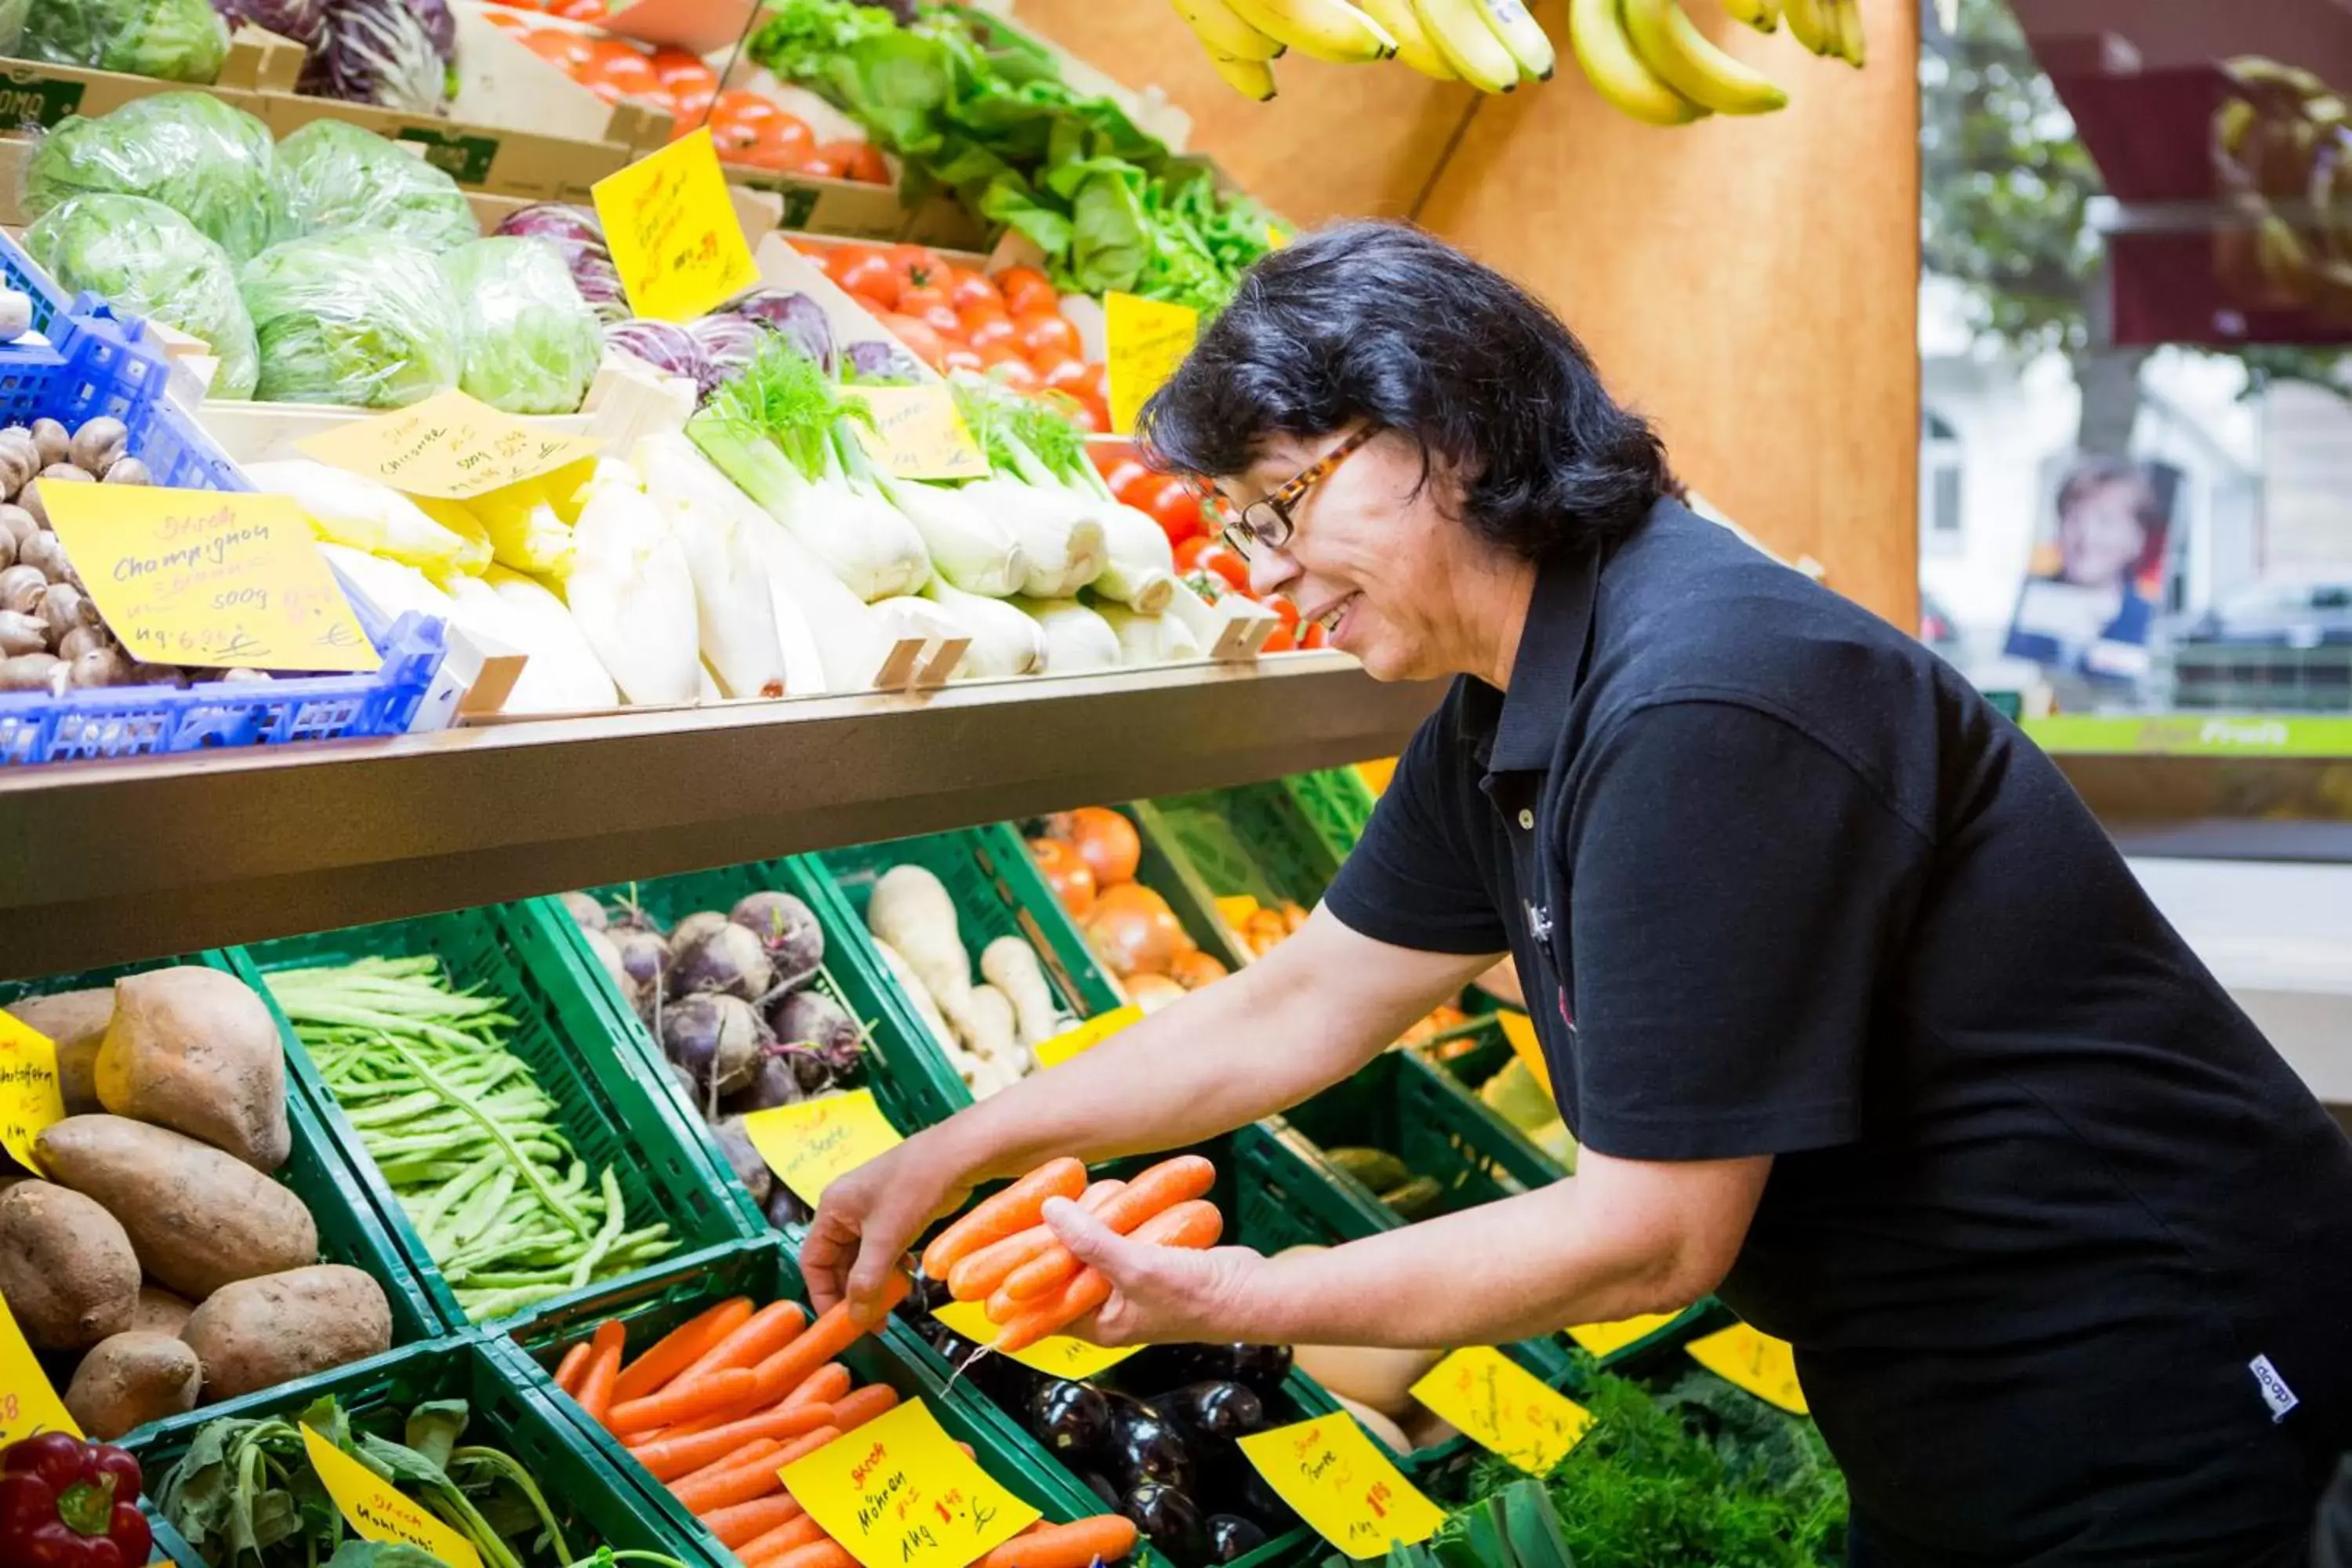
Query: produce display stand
(1252, 840)
(602, 1086)
(1454, 1065)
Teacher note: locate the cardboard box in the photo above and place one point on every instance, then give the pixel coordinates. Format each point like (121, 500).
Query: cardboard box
(34, 94)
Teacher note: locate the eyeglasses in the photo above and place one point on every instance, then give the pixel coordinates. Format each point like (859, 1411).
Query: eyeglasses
(1266, 521)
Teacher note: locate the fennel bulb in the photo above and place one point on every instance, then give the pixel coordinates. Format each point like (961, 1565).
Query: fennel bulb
(1150, 639)
(560, 672)
(1005, 642)
(1140, 571)
(972, 548)
(1075, 638)
(1064, 543)
(632, 591)
(735, 619)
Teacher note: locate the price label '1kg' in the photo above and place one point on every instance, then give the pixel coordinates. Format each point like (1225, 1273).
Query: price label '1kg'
(1333, 1476)
(898, 1493)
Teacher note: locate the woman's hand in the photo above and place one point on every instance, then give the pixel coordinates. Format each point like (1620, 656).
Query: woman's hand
(1160, 1295)
(868, 1218)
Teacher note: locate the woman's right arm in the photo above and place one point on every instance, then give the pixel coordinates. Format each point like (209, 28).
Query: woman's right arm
(1309, 1013)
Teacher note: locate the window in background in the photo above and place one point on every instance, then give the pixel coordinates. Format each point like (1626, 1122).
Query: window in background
(1940, 473)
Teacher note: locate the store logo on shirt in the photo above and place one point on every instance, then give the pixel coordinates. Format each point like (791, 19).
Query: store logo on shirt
(2276, 1393)
(1539, 923)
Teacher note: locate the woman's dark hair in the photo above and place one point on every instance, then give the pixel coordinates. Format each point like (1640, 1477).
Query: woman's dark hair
(1382, 323)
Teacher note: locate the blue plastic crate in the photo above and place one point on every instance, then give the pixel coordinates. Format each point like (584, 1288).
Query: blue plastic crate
(103, 364)
(22, 273)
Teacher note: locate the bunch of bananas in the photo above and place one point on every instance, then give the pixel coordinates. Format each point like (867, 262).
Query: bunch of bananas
(1645, 57)
(2283, 163)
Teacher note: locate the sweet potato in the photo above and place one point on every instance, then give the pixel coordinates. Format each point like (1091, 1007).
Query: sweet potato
(75, 1022)
(66, 1266)
(129, 1380)
(260, 1332)
(159, 1312)
(197, 1218)
(195, 1050)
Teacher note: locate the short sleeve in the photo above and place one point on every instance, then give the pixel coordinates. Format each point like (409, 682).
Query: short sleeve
(1735, 889)
(1414, 879)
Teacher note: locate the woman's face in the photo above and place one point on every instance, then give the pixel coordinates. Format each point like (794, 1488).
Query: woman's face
(1372, 555)
(2099, 536)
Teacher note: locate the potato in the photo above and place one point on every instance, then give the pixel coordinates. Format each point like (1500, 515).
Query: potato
(159, 1312)
(197, 1218)
(129, 1380)
(75, 1022)
(261, 1332)
(194, 1050)
(66, 1266)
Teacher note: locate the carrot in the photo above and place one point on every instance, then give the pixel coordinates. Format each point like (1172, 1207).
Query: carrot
(742, 1454)
(824, 1554)
(1193, 1223)
(827, 1338)
(807, 1443)
(1169, 1183)
(679, 1349)
(1008, 1213)
(784, 1538)
(823, 1386)
(603, 1367)
(760, 1335)
(674, 1457)
(977, 1274)
(802, 1532)
(734, 1526)
(567, 1371)
(855, 1410)
(754, 1476)
(682, 1401)
(1107, 1536)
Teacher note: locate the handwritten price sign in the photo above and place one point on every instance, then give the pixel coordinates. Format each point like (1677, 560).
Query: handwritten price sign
(1061, 1047)
(1332, 1476)
(29, 1099)
(1504, 1407)
(1606, 1339)
(812, 1144)
(450, 447)
(210, 577)
(1145, 341)
(27, 1403)
(898, 1493)
(1764, 1366)
(1055, 1356)
(381, 1514)
(918, 435)
(672, 233)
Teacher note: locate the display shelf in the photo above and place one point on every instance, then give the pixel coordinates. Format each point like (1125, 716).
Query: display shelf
(2224, 788)
(106, 862)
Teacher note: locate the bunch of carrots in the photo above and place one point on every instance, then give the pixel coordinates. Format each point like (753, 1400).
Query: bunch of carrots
(717, 1407)
(1004, 1253)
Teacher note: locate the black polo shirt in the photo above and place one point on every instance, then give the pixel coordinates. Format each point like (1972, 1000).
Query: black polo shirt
(2064, 1246)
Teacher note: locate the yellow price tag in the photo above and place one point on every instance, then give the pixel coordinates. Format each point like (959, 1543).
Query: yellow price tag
(917, 432)
(209, 577)
(1377, 773)
(1501, 1405)
(1069, 1043)
(1603, 1338)
(1055, 1356)
(672, 233)
(898, 1493)
(380, 1514)
(812, 1144)
(450, 447)
(1520, 1030)
(1332, 1475)
(1764, 1366)
(29, 1099)
(1145, 341)
(29, 1403)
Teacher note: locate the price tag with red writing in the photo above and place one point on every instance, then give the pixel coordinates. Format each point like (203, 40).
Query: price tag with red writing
(1055, 1356)
(1333, 1476)
(1069, 1043)
(898, 1493)
(674, 235)
(378, 1512)
(27, 1401)
(29, 1099)
(812, 1144)
(1764, 1366)
(1502, 1407)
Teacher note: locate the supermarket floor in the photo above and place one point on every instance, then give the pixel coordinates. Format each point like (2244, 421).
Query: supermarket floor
(2279, 937)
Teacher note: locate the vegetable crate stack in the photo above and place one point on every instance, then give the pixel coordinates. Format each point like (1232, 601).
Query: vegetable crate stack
(515, 1145)
(192, 1233)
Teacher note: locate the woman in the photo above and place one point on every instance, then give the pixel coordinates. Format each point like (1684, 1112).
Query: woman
(2088, 613)
(1860, 1020)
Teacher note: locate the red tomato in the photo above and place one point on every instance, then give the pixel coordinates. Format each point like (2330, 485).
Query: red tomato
(919, 340)
(816, 165)
(863, 269)
(669, 64)
(1283, 608)
(1102, 381)
(1282, 641)
(693, 109)
(738, 106)
(557, 46)
(1125, 469)
(789, 131)
(1090, 413)
(1042, 330)
(508, 22)
(929, 303)
(838, 155)
(1188, 553)
(957, 357)
(770, 155)
(1064, 373)
(1312, 635)
(1009, 369)
(863, 161)
(1220, 558)
(970, 291)
(917, 265)
(981, 330)
(1025, 289)
(582, 10)
(1175, 506)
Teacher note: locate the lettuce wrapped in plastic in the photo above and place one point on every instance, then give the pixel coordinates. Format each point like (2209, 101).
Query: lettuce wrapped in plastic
(147, 260)
(531, 343)
(170, 40)
(334, 175)
(352, 317)
(211, 164)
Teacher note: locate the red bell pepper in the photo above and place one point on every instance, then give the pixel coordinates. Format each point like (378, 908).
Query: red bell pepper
(65, 1504)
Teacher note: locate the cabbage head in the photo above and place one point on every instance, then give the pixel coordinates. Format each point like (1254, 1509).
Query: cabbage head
(211, 164)
(172, 40)
(334, 175)
(531, 342)
(147, 260)
(352, 316)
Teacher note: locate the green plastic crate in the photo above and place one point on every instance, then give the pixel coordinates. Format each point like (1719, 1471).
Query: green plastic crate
(911, 1082)
(766, 1271)
(998, 891)
(1336, 804)
(350, 1229)
(1400, 1102)
(1253, 841)
(511, 1407)
(604, 1090)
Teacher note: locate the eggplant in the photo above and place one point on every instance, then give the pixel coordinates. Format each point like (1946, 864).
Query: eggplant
(929, 1295)
(1260, 1368)
(1070, 1418)
(1001, 1378)
(784, 1208)
(1101, 1488)
(1223, 1411)
(1232, 1538)
(1261, 1501)
(1170, 1518)
(1145, 1448)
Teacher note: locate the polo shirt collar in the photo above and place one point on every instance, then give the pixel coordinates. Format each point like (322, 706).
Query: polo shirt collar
(1550, 663)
